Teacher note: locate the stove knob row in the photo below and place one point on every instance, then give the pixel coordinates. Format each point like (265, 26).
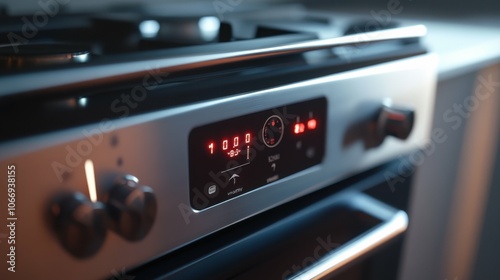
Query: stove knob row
(81, 225)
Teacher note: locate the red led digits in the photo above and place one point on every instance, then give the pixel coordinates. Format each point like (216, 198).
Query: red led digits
(232, 150)
(235, 151)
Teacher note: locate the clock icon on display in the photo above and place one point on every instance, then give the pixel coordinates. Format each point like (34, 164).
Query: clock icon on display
(272, 132)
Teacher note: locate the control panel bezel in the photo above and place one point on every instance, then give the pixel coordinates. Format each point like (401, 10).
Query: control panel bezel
(231, 157)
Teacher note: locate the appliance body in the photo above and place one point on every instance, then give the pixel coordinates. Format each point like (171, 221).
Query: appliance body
(163, 154)
(154, 148)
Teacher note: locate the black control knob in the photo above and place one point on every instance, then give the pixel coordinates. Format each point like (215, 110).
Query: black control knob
(80, 224)
(132, 208)
(395, 121)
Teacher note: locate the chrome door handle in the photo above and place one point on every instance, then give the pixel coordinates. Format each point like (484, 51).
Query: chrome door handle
(394, 222)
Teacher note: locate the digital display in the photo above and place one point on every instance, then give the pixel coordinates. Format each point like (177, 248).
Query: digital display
(231, 146)
(231, 157)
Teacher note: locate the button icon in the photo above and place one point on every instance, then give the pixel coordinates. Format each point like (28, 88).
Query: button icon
(212, 189)
(311, 152)
(234, 178)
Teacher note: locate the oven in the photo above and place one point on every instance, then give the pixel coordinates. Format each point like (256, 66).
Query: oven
(238, 164)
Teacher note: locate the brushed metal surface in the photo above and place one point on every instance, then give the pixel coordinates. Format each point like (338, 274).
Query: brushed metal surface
(154, 147)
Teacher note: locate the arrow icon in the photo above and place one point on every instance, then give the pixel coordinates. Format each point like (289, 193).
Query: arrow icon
(234, 178)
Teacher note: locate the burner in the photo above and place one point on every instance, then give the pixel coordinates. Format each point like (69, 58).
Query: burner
(126, 31)
(31, 55)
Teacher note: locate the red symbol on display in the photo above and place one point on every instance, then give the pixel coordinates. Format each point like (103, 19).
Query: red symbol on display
(299, 128)
(311, 124)
(234, 152)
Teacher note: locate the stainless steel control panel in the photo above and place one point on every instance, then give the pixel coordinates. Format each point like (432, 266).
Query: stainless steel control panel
(140, 166)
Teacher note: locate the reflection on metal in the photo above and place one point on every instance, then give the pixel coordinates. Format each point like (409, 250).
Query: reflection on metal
(209, 28)
(149, 28)
(102, 74)
(82, 101)
(357, 248)
(36, 54)
(80, 57)
(89, 172)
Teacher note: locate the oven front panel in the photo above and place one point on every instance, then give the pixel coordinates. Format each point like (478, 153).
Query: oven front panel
(154, 148)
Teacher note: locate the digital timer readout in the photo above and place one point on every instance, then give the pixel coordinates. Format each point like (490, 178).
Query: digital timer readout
(231, 146)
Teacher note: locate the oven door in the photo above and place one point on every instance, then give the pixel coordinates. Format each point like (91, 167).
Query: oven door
(350, 230)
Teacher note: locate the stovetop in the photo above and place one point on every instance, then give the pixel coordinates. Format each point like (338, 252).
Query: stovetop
(55, 37)
(67, 66)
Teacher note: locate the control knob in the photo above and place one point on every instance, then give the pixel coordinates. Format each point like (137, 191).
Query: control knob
(80, 224)
(131, 207)
(395, 121)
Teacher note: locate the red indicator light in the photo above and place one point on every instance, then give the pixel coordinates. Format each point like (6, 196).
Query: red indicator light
(311, 124)
(298, 128)
(224, 145)
(236, 142)
(211, 147)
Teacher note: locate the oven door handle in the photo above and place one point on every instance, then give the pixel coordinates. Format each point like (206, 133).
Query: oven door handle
(394, 222)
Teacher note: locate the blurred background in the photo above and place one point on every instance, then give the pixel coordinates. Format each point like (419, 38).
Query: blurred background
(429, 7)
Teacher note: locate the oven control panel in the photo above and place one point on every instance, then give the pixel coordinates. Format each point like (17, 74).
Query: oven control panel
(110, 196)
(232, 157)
